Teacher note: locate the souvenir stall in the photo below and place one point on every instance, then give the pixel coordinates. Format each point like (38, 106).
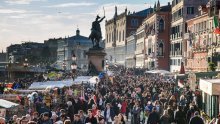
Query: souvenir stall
(210, 96)
(8, 109)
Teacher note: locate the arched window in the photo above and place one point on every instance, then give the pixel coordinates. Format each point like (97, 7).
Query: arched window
(112, 36)
(119, 36)
(109, 37)
(123, 35)
(161, 49)
(161, 25)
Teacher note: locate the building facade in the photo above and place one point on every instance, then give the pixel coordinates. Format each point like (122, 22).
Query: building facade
(3, 64)
(51, 45)
(130, 60)
(77, 45)
(182, 10)
(140, 49)
(117, 30)
(202, 43)
(157, 39)
(30, 50)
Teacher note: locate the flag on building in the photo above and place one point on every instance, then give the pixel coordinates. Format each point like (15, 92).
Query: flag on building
(216, 25)
(215, 21)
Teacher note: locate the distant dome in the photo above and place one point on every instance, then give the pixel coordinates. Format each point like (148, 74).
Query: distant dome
(77, 32)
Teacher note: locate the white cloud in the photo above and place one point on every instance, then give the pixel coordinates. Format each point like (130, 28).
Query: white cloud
(21, 1)
(39, 26)
(10, 11)
(71, 5)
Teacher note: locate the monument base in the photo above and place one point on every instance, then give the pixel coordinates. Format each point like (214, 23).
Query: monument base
(96, 58)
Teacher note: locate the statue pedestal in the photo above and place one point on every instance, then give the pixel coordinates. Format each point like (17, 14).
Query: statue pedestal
(96, 58)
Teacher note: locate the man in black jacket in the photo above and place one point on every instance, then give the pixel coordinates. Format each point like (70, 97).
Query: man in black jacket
(90, 118)
(154, 117)
(196, 119)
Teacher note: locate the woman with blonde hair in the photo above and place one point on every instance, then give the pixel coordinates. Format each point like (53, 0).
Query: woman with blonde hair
(164, 119)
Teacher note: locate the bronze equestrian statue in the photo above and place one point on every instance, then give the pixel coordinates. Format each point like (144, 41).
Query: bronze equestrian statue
(96, 34)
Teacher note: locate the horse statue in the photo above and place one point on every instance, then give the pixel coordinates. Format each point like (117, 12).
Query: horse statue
(96, 34)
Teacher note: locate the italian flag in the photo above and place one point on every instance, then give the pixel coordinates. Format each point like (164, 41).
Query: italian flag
(216, 25)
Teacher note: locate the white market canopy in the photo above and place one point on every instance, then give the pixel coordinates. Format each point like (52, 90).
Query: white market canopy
(7, 104)
(50, 84)
(82, 79)
(64, 83)
(158, 72)
(93, 80)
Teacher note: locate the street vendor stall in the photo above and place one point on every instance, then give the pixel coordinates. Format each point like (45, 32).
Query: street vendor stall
(7, 108)
(82, 79)
(210, 93)
(49, 84)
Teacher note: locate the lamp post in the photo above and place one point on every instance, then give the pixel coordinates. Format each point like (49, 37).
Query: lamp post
(64, 66)
(73, 65)
(25, 64)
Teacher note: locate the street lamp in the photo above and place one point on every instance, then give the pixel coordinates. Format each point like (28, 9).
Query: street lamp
(74, 57)
(73, 65)
(64, 66)
(25, 64)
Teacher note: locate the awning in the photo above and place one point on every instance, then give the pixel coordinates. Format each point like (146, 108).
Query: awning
(7, 104)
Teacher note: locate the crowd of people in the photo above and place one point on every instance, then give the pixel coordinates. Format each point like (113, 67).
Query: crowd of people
(131, 97)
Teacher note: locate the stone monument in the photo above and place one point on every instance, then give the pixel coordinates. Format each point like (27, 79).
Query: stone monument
(96, 54)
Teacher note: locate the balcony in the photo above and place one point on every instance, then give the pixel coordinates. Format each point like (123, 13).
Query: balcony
(175, 53)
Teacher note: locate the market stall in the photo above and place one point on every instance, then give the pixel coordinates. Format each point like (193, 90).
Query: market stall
(210, 92)
(49, 84)
(7, 108)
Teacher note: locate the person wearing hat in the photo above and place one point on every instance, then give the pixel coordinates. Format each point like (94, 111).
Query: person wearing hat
(196, 119)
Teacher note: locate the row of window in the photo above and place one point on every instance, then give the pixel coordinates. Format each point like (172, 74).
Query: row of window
(140, 35)
(175, 2)
(118, 25)
(202, 26)
(134, 22)
(175, 62)
(160, 51)
(178, 14)
(120, 36)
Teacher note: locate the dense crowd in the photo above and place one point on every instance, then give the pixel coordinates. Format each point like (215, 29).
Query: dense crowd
(131, 97)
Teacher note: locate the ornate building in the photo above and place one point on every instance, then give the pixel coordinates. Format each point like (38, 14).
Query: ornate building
(118, 29)
(77, 45)
(202, 43)
(157, 39)
(182, 10)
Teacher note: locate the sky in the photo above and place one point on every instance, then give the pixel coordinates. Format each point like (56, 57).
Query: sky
(39, 20)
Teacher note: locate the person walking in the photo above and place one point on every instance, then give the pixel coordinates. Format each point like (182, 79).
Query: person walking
(154, 117)
(196, 119)
(179, 116)
(164, 119)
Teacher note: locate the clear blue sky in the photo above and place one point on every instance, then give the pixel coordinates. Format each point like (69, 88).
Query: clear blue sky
(38, 20)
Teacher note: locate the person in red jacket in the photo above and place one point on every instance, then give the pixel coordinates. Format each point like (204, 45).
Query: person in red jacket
(124, 105)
